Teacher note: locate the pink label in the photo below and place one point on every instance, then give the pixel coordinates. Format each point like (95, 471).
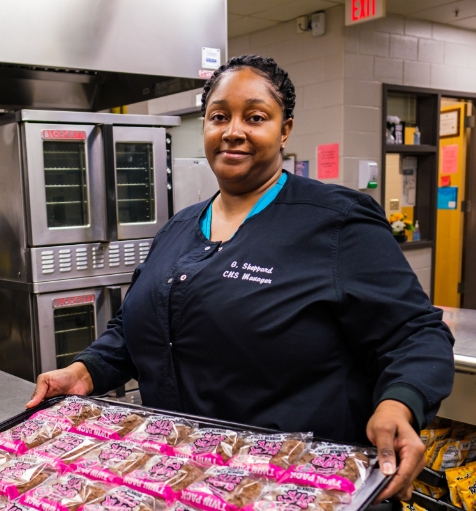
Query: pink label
(96, 431)
(318, 481)
(8, 489)
(267, 470)
(159, 427)
(16, 446)
(40, 503)
(154, 488)
(150, 445)
(208, 459)
(96, 472)
(262, 447)
(205, 501)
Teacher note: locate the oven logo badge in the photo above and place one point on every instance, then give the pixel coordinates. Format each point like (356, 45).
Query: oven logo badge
(68, 301)
(63, 135)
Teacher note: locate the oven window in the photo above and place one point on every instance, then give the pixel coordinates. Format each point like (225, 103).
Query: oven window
(135, 183)
(74, 331)
(65, 183)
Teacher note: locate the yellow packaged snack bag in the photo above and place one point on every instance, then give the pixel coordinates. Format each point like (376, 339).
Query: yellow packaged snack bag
(411, 506)
(467, 492)
(471, 456)
(432, 452)
(451, 455)
(453, 476)
(421, 487)
(435, 435)
(425, 436)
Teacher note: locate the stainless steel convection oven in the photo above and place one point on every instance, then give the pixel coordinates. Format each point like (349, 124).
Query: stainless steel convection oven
(81, 197)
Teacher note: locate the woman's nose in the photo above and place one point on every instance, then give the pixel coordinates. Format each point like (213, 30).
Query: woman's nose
(234, 131)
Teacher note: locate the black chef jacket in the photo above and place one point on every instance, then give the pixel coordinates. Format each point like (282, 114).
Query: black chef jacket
(304, 321)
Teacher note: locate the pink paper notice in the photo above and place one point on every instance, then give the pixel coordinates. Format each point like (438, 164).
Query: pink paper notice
(328, 161)
(449, 159)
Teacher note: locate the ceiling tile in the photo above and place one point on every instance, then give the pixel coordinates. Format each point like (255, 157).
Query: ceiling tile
(406, 7)
(447, 13)
(248, 7)
(468, 23)
(293, 9)
(247, 25)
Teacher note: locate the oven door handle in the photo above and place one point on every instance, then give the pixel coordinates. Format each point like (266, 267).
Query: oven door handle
(115, 298)
(110, 171)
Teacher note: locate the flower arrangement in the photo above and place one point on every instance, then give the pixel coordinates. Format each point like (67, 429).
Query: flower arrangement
(400, 224)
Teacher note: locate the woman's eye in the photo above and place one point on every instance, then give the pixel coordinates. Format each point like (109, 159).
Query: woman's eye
(256, 118)
(217, 117)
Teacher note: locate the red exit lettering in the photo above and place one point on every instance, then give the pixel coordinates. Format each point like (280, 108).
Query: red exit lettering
(63, 135)
(73, 300)
(362, 9)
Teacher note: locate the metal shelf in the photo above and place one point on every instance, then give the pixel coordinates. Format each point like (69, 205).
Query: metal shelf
(410, 149)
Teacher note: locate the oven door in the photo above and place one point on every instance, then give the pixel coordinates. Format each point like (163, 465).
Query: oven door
(64, 180)
(140, 182)
(68, 322)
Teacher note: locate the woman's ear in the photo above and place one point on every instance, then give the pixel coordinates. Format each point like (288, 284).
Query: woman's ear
(286, 130)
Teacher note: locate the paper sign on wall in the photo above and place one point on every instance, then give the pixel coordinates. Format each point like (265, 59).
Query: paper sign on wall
(211, 58)
(449, 159)
(447, 197)
(445, 181)
(328, 161)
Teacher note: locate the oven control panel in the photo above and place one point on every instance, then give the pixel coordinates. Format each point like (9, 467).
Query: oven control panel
(88, 259)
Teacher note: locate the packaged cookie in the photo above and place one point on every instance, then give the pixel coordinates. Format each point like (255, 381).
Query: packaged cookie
(66, 448)
(451, 455)
(411, 506)
(160, 432)
(270, 455)
(13, 506)
(110, 461)
(123, 498)
(114, 423)
(23, 473)
(291, 497)
(5, 457)
(164, 476)
(210, 446)
(223, 488)
(70, 412)
(27, 435)
(453, 476)
(332, 466)
(65, 493)
(467, 492)
(431, 491)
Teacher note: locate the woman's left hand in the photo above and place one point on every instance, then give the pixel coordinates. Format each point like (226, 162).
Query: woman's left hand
(390, 430)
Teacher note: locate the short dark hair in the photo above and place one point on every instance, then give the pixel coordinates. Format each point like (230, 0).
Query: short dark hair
(282, 87)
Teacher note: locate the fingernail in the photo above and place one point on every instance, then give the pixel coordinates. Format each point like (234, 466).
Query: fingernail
(387, 468)
(29, 402)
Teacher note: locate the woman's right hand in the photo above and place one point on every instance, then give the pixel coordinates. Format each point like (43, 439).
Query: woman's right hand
(74, 379)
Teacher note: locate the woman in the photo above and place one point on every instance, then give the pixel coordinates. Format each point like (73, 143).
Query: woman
(281, 302)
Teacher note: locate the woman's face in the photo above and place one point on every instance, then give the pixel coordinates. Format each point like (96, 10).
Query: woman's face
(244, 131)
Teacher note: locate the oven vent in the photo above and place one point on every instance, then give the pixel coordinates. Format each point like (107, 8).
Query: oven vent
(47, 262)
(129, 254)
(82, 258)
(65, 262)
(98, 257)
(114, 256)
(144, 248)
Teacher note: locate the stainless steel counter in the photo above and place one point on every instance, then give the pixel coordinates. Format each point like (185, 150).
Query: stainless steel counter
(14, 394)
(462, 323)
(461, 403)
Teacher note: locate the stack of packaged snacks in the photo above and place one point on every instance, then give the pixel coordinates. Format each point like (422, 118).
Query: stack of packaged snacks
(164, 476)
(114, 423)
(161, 433)
(270, 455)
(111, 461)
(332, 466)
(78, 456)
(450, 449)
(210, 446)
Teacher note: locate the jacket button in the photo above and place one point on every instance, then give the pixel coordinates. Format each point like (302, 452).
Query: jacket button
(183, 277)
(169, 281)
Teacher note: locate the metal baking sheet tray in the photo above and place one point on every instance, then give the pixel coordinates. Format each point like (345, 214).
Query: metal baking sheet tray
(372, 487)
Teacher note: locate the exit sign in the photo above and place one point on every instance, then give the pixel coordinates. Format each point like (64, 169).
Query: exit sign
(357, 11)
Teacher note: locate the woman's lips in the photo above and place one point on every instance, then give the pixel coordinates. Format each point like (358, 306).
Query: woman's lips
(233, 155)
